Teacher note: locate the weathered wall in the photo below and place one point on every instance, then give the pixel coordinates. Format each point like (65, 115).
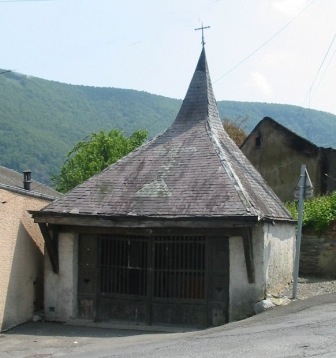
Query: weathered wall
(243, 295)
(279, 255)
(273, 260)
(273, 251)
(279, 158)
(60, 294)
(21, 259)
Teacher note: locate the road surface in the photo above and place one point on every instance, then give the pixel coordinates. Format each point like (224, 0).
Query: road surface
(302, 329)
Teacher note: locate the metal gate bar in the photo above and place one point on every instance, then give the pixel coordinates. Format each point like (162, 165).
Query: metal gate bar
(123, 265)
(179, 267)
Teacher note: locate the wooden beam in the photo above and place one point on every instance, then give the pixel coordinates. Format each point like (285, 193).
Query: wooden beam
(51, 244)
(248, 253)
(114, 222)
(152, 231)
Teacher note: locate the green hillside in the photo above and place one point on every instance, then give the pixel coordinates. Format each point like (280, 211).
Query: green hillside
(41, 120)
(317, 126)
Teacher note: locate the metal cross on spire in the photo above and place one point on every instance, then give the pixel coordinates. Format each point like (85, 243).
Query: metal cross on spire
(203, 28)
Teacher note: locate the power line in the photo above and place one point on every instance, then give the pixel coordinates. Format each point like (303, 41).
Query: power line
(309, 96)
(265, 43)
(324, 72)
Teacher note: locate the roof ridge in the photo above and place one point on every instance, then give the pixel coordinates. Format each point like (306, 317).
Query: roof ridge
(225, 162)
(215, 130)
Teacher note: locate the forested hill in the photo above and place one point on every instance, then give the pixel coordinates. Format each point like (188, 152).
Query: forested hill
(41, 120)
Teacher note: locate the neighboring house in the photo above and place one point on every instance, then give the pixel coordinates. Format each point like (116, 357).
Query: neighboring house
(278, 154)
(21, 247)
(182, 231)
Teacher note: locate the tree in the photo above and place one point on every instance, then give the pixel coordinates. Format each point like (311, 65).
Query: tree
(94, 154)
(235, 129)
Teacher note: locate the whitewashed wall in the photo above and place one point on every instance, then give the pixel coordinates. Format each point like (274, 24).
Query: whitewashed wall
(60, 290)
(243, 294)
(279, 255)
(273, 251)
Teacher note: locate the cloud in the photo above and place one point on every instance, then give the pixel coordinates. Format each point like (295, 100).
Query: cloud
(289, 8)
(258, 82)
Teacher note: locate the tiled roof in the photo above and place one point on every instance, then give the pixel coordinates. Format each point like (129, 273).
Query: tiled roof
(192, 170)
(12, 180)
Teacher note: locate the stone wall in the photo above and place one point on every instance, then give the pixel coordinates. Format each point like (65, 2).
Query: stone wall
(318, 253)
(278, 154)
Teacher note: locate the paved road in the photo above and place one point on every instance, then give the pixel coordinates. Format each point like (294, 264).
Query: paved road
(302, 329)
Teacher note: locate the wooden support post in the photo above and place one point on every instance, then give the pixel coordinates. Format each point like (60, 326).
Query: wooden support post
(51, 244)
(248, 252)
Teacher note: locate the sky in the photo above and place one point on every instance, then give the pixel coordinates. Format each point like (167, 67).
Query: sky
(274, 51)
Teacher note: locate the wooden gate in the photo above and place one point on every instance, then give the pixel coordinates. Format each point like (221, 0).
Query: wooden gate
(123, 274)
(150, 280)
(179, 274)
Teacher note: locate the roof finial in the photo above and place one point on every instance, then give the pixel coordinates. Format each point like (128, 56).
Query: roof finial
(202, 28)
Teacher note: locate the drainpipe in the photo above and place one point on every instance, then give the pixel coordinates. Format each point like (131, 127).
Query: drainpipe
(26, 179)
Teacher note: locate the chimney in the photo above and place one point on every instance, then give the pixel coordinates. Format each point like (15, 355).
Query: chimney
(26, 179)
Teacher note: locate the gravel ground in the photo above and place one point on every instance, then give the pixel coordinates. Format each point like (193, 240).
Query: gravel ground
(309, 287)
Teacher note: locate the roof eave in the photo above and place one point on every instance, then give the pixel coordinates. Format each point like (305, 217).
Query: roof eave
(32, 193)
(100, 220)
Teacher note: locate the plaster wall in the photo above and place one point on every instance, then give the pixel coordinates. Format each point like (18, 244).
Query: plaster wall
(21, 258)
(243, 295)
(273, 254)
(60, 295)
(279, 255)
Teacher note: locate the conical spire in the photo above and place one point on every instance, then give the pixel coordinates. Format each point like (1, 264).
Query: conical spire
(199, 101)
(202, 64)
(192, 170)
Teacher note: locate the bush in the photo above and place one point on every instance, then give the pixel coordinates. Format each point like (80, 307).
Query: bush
(319, 212)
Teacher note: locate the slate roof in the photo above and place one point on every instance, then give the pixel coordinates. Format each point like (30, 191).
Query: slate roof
(192, 170)
(12, 180)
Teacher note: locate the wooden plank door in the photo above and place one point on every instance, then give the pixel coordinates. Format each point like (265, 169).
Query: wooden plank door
(87, 272)
(218, 281)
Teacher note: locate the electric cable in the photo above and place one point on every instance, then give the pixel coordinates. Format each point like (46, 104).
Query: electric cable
(265, 43)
